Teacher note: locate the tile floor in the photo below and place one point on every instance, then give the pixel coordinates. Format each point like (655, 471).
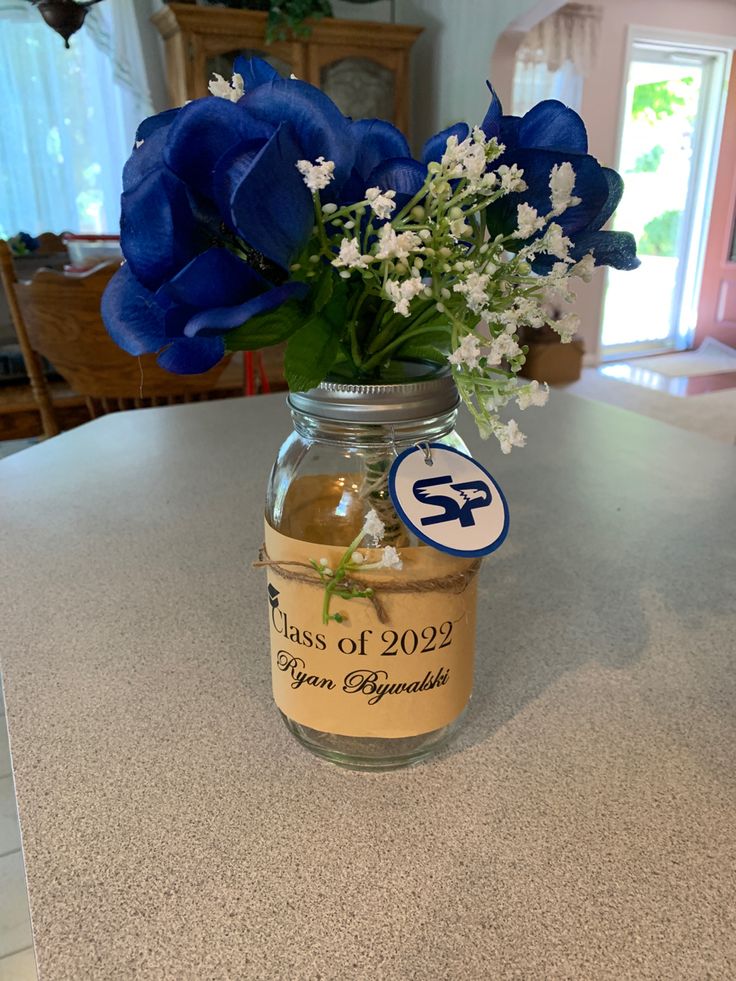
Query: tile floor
(17, 962)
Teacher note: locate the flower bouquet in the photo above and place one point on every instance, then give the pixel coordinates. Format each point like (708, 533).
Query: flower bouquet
(263, 215)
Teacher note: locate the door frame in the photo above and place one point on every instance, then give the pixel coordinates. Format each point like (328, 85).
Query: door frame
(720, 266)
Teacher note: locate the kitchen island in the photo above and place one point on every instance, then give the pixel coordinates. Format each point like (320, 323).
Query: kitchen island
(581, 825)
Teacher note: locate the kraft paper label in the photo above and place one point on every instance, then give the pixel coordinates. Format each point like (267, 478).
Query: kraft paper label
(405, 677)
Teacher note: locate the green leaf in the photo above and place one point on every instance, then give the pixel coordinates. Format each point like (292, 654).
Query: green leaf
(313, 349)
(323, 293)
(432, 346)
(266, 329)
(310, 354)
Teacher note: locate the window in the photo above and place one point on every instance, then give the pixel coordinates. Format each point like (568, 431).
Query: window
(68, 125)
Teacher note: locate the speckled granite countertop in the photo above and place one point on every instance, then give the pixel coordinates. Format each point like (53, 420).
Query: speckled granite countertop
(581, 826)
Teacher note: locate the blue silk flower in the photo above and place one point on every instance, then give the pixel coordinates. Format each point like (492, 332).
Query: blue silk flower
(214, 209)
(212, 177)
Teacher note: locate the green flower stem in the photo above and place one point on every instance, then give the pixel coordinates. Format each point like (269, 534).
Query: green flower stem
(353, 328)
(324, 241)
(421, 193)
(381, 355)
(388, 333)
(333, 583)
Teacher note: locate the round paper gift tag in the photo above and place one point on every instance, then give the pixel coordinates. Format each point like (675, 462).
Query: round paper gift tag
(449, 500)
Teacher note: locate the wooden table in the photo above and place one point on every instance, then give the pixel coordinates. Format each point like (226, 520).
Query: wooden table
(581, 826)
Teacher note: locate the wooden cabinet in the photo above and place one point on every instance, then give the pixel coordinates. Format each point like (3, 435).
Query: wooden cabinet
(362, 66)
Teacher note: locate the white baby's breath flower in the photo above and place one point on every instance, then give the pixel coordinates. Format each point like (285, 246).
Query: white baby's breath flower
(459, 228)
(316, 175)
(497, 400)
(393, 246)
(530, 312)
(402, 292)
(357, 558)
(223, 89)
(467, 355)
(390, 559)
(584, 268)
(466, 159)
(487, 184)
(555, 243)
(509, 435)
(528, 221)
(532, 394)
(557, 283)
(511, 178)
(350, 256)
(561, 183)
(382, 202)
(373, 527)
(503, 347)
(567, 327)
(474, 289)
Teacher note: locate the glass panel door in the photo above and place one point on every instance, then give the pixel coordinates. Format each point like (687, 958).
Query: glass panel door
(665, 157)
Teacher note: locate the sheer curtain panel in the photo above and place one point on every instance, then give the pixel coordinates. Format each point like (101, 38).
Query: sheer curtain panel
(69, 119)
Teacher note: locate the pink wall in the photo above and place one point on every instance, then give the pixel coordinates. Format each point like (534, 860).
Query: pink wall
(603, 93)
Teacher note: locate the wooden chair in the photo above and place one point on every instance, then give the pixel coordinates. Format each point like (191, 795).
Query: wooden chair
(57, 316)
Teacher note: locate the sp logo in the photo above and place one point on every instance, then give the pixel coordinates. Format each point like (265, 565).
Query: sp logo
(448, 500)
(457, 499)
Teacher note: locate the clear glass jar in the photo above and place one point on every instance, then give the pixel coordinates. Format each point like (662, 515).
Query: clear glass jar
(329, 473)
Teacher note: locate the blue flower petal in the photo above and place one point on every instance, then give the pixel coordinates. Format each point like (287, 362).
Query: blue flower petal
(320, 129)
(204, 131)
(509, 132)
(491, 124)
(162, 120)
(254, 71)
(265, 197)
(215, 278)
(615, 191)
(551, 125)
(403, 175)
(617, 249)
(131, 315)
(376, 141)
(192, 356)
(159, 232)
(226, 318)
(590, 185)
(144, 159)
(437, 144)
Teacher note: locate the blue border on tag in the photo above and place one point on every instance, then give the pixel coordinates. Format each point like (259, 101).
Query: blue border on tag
(418, 532)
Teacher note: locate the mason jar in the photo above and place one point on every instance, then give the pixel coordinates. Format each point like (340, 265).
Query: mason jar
(380, 679)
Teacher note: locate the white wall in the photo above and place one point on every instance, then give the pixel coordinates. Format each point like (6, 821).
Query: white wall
(453, 57)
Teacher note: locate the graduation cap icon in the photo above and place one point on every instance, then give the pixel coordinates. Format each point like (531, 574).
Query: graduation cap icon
(273, 596)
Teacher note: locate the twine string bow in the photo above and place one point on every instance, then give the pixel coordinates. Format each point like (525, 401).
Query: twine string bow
(453, 582)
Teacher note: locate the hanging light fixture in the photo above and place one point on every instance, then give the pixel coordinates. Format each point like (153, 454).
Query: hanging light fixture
(64, 16)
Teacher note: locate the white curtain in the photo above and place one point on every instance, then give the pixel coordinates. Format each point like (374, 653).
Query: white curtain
(69, 118)
(555, 57)
(533, 82)
(571, 34)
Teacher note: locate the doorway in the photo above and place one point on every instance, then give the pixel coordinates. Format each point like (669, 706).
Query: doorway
(668, 148)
